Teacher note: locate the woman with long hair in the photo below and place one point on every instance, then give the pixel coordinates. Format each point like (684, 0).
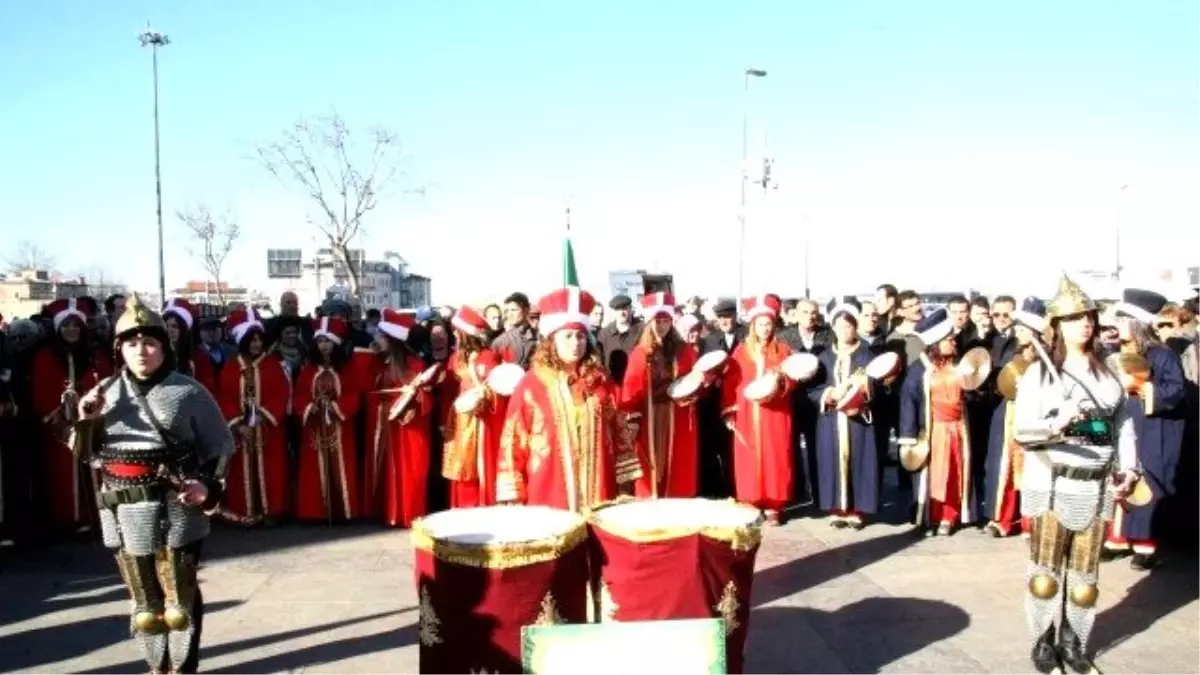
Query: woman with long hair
(665, 429)
(847, 459)
(254, 400)
(1005, 457)
(399, 406)
(560, 445)
(762, 427)
(472, 435)
(179, 316)
(1080, 456)
(933, 421)
(1159, 413)
(63, 370)
(327, 395)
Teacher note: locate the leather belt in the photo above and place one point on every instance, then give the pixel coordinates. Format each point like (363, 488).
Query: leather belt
(111, 499)
(1078, 473)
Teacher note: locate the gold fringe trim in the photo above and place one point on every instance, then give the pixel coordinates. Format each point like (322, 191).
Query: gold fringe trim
(500, 556)
(740, 538)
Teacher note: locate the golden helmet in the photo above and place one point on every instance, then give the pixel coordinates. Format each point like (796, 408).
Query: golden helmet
(139, 317)
(1069, 300)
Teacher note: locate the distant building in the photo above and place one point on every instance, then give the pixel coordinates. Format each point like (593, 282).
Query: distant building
(209, 293)
(636, 283)
(24, 292)
(384, 282)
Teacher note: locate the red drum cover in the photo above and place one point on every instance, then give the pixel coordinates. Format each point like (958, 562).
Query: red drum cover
(482, 574)
(854, 400)
(641, 549)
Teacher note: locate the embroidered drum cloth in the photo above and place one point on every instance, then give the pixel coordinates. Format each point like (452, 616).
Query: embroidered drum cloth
(484, 573)
(677, 559)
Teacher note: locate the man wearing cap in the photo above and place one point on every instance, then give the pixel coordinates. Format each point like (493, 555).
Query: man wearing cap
(1159, 414)
(161, 446)
(716, 441)
(618, 338)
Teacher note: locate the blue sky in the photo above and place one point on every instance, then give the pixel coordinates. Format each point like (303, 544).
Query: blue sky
(924, 143)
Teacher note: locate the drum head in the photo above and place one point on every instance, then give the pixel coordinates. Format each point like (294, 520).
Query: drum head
(762, 388)
(428, 374)
(800, 367)
(883, 366)
(685, 386)
(499, 524)
(504, 378)
(664, 514)
(711, 361)
(469, 400)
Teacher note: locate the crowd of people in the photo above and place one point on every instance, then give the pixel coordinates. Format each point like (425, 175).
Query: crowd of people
(394, 415)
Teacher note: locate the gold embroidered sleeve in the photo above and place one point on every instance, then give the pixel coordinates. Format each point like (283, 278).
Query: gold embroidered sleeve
(624, 445)
(514, 453)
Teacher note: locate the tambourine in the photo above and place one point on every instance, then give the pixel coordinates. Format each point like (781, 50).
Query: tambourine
(504, 377)
(711, 361)
(884, 367)
(410, 392)
(763, 387)
(686, 386)
(470, 400)
(800, 367)
(973, 369)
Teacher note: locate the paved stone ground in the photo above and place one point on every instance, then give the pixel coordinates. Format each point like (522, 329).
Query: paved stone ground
(341, 600)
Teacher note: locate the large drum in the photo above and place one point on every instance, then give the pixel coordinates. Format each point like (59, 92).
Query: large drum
(484, 573)
(677, 559)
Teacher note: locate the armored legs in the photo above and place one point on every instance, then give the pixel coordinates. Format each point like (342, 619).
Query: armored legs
(1063, 573)
(160, 574)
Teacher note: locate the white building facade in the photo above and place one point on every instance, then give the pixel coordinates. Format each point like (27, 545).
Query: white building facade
(384, 282)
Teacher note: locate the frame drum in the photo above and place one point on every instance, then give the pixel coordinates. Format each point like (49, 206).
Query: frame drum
(484, 573)
(677, 559)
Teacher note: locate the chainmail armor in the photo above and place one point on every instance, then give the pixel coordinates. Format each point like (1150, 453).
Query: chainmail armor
(1039, 613)
(1081, 619)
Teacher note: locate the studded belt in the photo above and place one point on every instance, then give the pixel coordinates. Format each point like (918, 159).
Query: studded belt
(111, 499)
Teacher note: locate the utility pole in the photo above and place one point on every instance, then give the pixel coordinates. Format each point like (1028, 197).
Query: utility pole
(154, 40)
(749, 73)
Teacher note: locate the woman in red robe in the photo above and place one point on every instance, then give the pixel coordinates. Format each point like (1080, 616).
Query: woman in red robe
(560, 444)
(327, 400)
(254, 401)
(180, 315)
(762, 429)
(63, 371)
(398, 429)
(665, 428)
(473, 435)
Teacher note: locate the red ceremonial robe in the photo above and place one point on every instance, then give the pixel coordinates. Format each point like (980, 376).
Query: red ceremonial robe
(67, 484)
(327, 403)
(254, 400)
(666, 429)
(473, 438)
(762, 435)
(559, 447)
(202, 370)
(396, 475)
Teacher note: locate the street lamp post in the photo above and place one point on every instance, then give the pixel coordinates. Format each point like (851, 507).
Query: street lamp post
(154, 40)
(749, 73)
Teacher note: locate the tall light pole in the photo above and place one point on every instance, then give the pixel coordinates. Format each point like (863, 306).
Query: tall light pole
(154, 39)
(749, 73)
(1117, 217)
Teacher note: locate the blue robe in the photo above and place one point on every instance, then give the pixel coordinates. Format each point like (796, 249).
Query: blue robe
(1159, 423)
(857, 487)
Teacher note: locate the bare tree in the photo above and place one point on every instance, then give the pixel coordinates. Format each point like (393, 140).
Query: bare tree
(214, 239)
(27, 255)
(343, 173)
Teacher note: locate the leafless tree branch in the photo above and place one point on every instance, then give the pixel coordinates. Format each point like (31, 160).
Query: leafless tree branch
(342, 177)
(214, 238)
(28, 255)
